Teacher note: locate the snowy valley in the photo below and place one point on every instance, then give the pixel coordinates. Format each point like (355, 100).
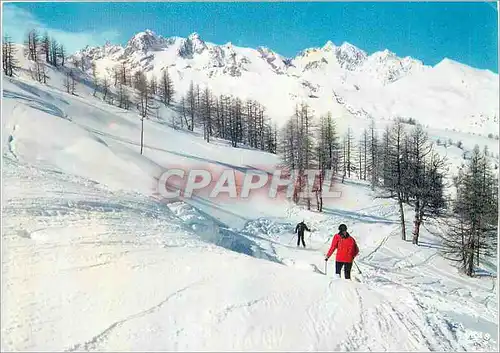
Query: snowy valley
(93, 259)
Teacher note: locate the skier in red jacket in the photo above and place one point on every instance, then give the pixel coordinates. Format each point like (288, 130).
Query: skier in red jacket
(347, 250)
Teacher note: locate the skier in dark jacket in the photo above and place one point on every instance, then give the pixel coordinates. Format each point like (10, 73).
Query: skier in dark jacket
(300, 229)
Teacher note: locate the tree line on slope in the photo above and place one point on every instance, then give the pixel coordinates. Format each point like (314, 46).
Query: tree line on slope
(37, 49)
(472, 221)
(227, 117)
(9, 62)
(403, 165)
(147, 93)
(40, 49)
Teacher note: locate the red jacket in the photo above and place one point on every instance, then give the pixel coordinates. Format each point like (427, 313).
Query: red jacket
(347, 249)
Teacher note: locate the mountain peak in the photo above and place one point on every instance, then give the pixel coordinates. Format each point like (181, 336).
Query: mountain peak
(449, 62)
(144, 34)
(265, 50)
(194, 36)
(384, 54)
(452, 67)
(145, 41)
(193, 44)
(388, 67)
(350, 56)
(329, 46)
(350, 47)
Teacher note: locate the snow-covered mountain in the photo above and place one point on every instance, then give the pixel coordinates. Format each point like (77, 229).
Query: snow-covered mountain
(382, 85)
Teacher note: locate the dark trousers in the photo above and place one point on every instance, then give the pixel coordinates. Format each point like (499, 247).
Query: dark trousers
(347, 269)
(299, 238)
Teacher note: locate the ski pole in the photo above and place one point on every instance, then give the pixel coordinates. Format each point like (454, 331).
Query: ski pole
(358, 268)
(326, 262)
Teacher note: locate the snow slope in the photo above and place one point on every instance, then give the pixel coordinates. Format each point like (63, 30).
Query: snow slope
(93, 260)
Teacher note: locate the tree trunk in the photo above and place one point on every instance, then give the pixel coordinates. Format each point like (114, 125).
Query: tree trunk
(308, 198)
(478, 245)
(142, 133)
(469, 269)
(360, 176)
(420, 221)
(402, 216)
(320, 201)
(344, 164)
(416, 222)
(349, 155)
(365, 147)
(296, 189)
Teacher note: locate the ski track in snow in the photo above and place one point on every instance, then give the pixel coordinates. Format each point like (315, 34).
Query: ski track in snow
(95, 341)
(10, 141)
